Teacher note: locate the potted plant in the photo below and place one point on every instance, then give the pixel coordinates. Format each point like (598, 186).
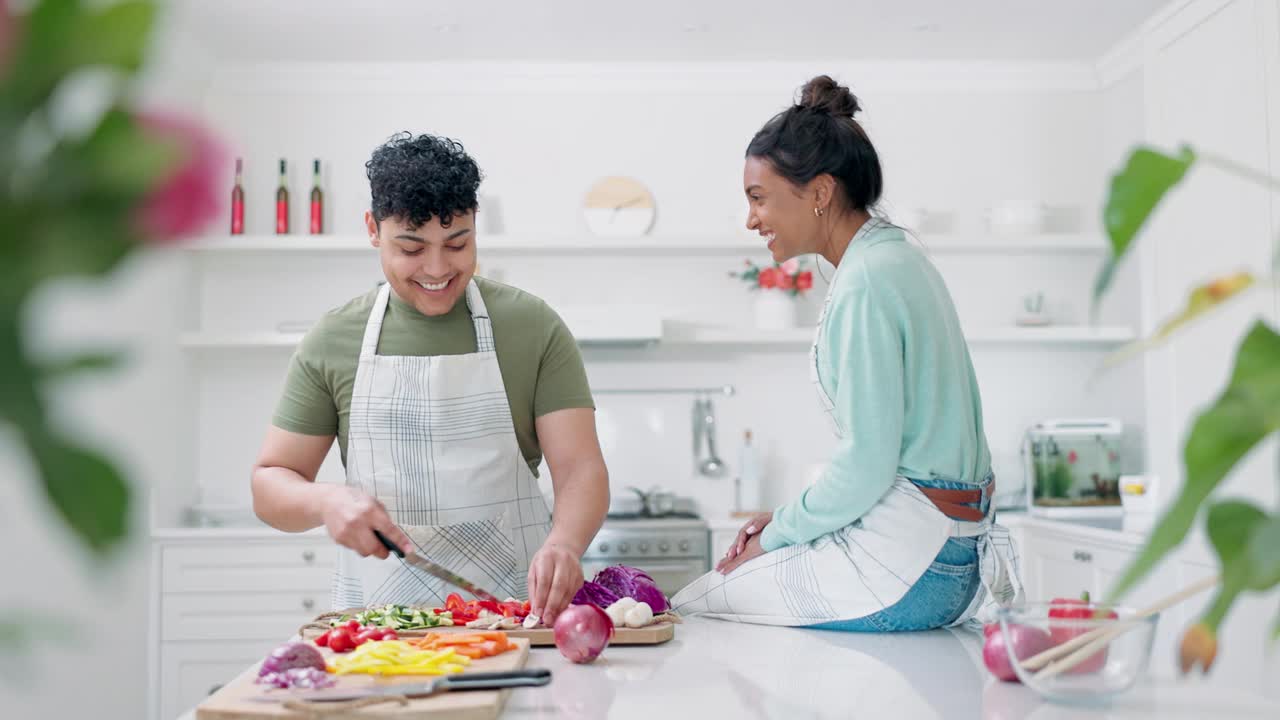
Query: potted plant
(777, 285)
(1246, 538)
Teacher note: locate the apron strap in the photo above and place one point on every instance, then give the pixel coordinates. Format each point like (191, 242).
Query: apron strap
(475, 303)
(373, 328)
(480, 318)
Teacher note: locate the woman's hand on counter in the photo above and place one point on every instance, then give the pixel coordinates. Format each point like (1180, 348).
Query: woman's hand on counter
(750, 530)
(750, 551)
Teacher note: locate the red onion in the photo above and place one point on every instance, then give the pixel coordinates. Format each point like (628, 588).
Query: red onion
(299, 677)
(582, 632)
(292, 655)
(1026, 641)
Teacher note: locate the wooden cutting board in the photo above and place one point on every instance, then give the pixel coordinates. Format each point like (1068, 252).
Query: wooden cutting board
(654, 634)
(232, 701)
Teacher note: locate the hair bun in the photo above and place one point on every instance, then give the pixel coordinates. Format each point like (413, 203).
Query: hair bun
(826, 95)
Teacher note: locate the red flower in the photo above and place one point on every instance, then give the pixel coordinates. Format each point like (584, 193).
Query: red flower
(187, 199)
(769, 277)
(1072, 457)
(785, 281)
(804, 281)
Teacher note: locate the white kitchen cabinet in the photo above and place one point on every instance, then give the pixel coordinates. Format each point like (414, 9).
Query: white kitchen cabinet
(239, 616)
(223, 601)
(190, 671)
(218, 566)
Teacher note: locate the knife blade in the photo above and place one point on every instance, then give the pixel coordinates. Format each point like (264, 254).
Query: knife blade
(436, 570)
(532, 677)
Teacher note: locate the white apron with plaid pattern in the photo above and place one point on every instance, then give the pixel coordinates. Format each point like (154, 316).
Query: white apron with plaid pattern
(862, 568)
(431, 438)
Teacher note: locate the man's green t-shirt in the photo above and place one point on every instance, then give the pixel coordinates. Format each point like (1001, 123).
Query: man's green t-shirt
(540, 362)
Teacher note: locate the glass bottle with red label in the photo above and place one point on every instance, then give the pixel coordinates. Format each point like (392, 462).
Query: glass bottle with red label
(282, 203)
(237, 202)
(317, 201)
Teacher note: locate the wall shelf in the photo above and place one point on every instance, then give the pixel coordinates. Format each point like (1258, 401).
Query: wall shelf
(1063, 335)
(662, 244)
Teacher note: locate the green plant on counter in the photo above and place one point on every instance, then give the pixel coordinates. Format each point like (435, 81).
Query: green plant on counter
(80, 190)
(1245, 537)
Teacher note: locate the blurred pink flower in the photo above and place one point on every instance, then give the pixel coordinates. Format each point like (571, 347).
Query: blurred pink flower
(791, 266)
(187, 199)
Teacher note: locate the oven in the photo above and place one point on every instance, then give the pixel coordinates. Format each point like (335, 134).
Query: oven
(673, 551)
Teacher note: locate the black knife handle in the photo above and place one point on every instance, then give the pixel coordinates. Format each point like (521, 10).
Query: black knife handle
(532, 677)
(388, 544)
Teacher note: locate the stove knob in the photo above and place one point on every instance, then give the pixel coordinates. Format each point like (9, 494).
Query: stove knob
(664, 546)
(623, 547)
(643, 547)
(684, 546)
(603, 547)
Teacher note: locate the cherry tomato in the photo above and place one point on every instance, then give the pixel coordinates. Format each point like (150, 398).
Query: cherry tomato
(323, 640)
(340, 640)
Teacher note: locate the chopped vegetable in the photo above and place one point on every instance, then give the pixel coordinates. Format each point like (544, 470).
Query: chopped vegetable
(289, 656)
(399, 657)
(299, 677)
(465, 612)
(397, 617)
(582, 632)
(472, 645)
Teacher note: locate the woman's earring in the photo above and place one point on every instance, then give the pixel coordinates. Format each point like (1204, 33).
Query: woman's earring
(817, 212)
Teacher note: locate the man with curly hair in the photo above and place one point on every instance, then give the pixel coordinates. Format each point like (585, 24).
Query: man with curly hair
(444, 391)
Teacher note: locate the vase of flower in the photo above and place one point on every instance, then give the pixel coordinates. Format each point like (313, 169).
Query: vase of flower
(775, 310)
(777, 287)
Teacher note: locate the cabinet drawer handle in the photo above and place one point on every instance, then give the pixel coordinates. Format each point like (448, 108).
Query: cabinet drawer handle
(215, 688)
(308, 604)
(1082, 556)
(308, 556)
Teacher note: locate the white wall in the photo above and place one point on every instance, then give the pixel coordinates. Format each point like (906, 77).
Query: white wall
(1214, 223)
(952, 140)
(127, 414)
(1208, 71)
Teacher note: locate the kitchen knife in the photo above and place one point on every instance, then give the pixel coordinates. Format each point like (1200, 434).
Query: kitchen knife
(532, 677)
(435, 570)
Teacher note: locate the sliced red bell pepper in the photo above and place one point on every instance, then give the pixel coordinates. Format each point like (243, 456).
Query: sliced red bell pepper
(1077, 609)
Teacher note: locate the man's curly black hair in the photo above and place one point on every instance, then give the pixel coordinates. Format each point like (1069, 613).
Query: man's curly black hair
(416, 178)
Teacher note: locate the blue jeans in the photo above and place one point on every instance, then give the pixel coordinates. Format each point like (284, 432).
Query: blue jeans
(940, 595)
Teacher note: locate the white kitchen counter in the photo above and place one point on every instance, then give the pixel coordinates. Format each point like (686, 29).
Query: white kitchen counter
(729, 670)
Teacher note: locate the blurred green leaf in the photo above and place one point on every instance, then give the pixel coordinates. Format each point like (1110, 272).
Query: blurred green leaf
(20, 400)
(86, 489)
(1231, 525)
(1264, 555)
(105, 176)
(120, 159)
(1246, 412)
(1135, 192)
(1200, 302)
(75, 364)
(61, 36)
